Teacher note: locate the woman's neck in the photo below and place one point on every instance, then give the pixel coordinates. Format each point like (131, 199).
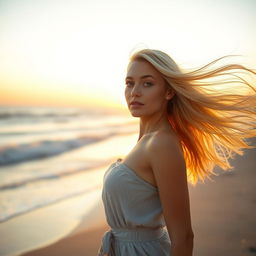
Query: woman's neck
(153, 124)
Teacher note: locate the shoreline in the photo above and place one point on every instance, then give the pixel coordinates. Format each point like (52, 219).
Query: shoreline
(48, 225)
(222, 213)
(222, 217)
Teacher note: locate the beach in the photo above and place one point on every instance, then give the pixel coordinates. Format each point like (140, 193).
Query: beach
(52, 163)
(82, 81)
(222, 210)
(223, 215)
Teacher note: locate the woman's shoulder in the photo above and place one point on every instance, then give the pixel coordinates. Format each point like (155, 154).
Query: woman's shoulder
(165, 147)
(164, 151)
(162, 139)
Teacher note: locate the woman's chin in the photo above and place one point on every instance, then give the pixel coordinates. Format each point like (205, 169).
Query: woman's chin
(135, 114)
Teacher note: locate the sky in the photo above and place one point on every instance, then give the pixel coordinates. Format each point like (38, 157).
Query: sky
(75, 53)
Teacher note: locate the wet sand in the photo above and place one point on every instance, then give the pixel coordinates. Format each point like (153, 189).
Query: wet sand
(85, 244)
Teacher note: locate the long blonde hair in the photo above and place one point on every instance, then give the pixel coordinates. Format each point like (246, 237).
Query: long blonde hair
(211, 124)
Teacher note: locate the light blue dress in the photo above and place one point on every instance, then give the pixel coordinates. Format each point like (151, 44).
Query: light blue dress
(134, 213)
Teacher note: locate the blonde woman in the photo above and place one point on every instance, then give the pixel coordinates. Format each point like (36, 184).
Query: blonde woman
(186, 128)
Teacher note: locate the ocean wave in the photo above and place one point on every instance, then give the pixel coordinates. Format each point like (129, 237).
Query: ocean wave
(41, 193)
(52, 113)
(52, 173)
(42, 149)
(8, 212)
(38, 149)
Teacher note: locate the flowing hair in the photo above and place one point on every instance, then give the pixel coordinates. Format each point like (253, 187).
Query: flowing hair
(212, 124)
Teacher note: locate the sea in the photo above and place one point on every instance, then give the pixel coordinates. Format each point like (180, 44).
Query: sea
(46, 153)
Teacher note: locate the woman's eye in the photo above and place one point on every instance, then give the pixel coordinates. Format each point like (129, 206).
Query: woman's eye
(129, 83)
(148, 84)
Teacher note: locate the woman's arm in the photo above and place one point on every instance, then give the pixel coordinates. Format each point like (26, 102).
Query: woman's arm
(168, 165)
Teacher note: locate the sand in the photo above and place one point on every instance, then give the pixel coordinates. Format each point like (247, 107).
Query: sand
(223, 217)
(84, 244)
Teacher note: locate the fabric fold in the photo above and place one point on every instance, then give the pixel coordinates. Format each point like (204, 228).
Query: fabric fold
(106, 244)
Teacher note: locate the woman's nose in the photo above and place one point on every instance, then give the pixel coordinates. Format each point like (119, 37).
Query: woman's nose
(136, 91)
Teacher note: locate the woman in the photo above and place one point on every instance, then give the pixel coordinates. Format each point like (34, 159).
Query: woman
(186, 128)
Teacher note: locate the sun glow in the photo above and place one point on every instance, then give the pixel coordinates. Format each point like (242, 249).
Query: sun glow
(75, 53)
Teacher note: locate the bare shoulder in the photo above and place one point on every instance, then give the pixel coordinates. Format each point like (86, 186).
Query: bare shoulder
(166, 159)
(165, 147)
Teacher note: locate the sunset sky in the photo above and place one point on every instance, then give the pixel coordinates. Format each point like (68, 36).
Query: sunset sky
(74, 53)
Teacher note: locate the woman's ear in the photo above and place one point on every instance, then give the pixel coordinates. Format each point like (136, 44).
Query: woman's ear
(169, 94)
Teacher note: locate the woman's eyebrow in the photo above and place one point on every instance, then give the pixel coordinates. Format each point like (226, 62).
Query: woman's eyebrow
(145, 76)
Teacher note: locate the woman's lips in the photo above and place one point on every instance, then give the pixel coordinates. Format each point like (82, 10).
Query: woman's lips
(136, 105)
(136, 102)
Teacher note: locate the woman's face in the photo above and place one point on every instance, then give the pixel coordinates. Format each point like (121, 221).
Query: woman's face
(145, 84)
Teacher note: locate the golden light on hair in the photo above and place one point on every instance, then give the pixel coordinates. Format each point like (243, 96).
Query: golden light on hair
(211, 123)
